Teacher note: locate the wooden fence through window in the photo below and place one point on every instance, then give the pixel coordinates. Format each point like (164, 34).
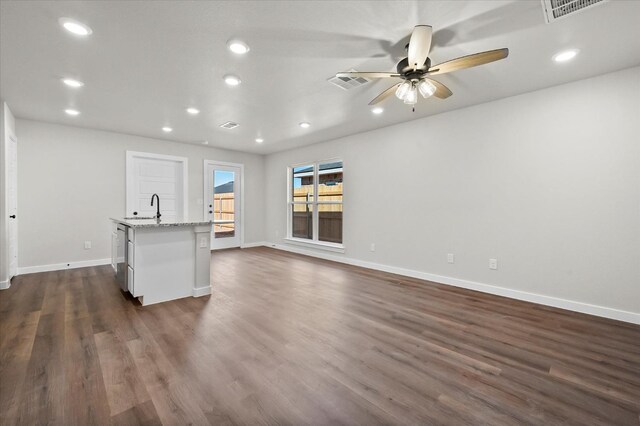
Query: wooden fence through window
(329, 215)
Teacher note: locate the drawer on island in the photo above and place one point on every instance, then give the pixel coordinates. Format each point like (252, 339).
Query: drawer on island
(131, 283)
(130, 257)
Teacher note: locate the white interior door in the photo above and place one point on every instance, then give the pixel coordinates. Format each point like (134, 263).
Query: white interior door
(223, 203)
(12, 204)
(149, 174)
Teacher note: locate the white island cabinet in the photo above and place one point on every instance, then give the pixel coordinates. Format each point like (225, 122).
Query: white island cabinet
(162, 260)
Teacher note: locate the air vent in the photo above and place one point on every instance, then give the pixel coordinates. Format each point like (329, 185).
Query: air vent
(558, 9)
(347, 83)
(229, 125)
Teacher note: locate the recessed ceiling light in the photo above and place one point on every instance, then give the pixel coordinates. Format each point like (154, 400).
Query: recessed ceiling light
(167, 129)
(72, 112)
(237, 46)
(72, 83)
(193, 111)
(259, 140)
(565, 55)
(205, 142)
(75, 27)
(231, 80)
(377, 110)
(304, 125)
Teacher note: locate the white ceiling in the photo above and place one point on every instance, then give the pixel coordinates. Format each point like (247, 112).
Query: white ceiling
(147, 61)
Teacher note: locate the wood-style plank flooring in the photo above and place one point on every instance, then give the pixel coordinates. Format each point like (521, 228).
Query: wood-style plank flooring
(288, 339)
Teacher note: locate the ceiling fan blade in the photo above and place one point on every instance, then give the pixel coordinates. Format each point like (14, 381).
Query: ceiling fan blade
(384, 95)
(442, 91)
(469, 61)
(419, 46)
(367, 74)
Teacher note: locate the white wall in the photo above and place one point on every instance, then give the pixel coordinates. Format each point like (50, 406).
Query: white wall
(71, 180)
(7, 127)
(546, 182)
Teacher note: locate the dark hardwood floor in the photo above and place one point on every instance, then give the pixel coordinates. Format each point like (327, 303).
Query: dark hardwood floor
(287, 339)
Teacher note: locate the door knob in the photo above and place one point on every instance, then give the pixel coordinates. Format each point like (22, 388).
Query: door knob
(13, 216)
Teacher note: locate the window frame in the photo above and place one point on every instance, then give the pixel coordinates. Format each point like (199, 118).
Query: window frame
(314, 241)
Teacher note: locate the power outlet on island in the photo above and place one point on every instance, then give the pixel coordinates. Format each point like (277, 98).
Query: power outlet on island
(450, 258)
(493, 263)
(87, 245)
(372, 247)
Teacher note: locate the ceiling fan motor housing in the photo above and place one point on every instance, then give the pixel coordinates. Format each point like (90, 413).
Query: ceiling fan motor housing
(407, 72)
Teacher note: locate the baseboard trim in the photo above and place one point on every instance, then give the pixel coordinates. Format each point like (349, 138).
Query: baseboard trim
(201, 291)
(5, 284)
(61, 266)
(256, 244)
(571, 305)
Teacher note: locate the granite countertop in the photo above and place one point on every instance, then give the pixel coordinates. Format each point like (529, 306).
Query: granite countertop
(154, 223)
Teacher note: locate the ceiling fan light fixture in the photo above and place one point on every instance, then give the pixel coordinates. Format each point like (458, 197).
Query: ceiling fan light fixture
(426, 88)
(411, 97)
(402, 90)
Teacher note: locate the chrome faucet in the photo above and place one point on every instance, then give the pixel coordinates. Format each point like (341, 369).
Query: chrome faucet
(158, 205)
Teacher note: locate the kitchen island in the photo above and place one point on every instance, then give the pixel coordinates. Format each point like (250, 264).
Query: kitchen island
(161, 260)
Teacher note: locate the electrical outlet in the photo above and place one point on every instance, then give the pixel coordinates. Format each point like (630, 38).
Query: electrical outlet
(87, 245)
(203, 242)
(372, 247)
(493, 263)
(450, 258)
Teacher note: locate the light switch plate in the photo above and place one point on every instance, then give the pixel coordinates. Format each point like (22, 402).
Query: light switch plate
(493, 263)
(203, 242)
(450, 258)
(87, 245)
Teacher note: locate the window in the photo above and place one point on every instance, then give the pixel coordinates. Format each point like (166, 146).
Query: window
(315, 203)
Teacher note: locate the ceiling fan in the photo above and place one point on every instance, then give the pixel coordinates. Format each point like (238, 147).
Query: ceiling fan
(416, 69)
